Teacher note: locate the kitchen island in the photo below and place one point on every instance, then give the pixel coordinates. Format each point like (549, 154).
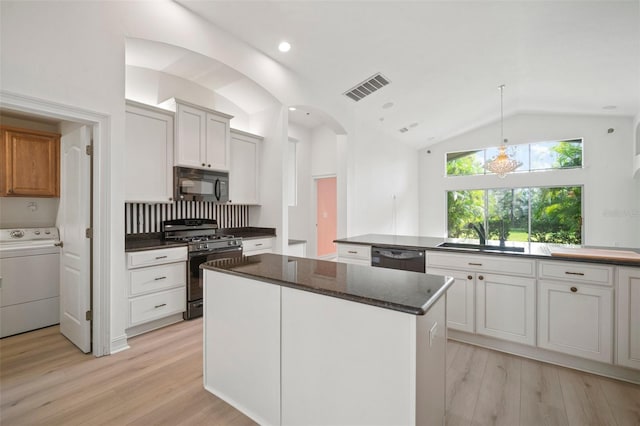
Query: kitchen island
(291, 340)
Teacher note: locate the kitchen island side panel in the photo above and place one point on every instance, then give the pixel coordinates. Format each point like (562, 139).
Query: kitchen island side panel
(242, 344)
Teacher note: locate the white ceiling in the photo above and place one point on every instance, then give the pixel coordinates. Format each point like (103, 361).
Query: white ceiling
(445, 59)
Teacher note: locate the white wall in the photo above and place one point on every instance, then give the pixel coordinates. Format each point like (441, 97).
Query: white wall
(300, 214)
(324, 152)
(610, 193)
(383, 185)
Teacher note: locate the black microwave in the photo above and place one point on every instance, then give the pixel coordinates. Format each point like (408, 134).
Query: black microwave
(200, 185)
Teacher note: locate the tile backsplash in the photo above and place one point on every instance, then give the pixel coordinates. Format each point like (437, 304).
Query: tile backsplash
(141, 218)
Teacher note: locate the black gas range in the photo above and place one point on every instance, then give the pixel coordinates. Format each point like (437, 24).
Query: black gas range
(205, 244)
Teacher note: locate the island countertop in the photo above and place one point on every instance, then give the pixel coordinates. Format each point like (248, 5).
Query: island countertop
(409, 292)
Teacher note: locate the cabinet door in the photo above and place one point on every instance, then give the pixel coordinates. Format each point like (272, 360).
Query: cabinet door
(191, 125)
(217, 143)
(576, 319)
(505, 307)
(31, 163)
(244, 170)
(628, 307)
(148, 155)
(460, 299)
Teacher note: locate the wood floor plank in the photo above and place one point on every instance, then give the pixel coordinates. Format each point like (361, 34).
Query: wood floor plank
(464, 377)
(584, 399)
(499, 399)
(541, 401)
(623, 399)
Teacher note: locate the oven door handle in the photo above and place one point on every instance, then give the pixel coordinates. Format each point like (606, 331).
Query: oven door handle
(399, 254)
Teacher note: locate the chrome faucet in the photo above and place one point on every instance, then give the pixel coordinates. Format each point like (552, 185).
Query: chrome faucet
(479, 228)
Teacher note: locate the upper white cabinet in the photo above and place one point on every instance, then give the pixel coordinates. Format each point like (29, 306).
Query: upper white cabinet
(202, 137)
(628, 304)
(245, 168)
(148, 154)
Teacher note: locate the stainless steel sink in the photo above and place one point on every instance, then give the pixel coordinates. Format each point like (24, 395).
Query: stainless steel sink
(480, 247)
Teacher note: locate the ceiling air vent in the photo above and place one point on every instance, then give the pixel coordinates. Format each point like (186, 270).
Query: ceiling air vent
(403, 130)
(367, 87)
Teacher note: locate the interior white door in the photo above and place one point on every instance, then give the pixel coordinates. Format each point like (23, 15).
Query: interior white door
(74, 217)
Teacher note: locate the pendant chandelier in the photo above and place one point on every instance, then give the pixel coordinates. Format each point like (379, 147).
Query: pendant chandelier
(502, 164)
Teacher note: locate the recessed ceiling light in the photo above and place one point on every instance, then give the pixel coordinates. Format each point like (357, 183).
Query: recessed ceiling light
(284, 46)
(387, 105)
(292, 108)
(609, 107)
(381, 118)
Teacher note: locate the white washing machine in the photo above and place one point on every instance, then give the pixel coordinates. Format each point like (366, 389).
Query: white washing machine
(29, 279)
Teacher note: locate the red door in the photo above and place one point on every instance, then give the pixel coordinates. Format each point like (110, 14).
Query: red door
(326, 215)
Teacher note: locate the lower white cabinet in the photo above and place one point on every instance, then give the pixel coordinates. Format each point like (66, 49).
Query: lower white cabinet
(460, 299)
(257, 246)
(628, 308)
(357, 254)
(506, 307)
(576, 319)
(156, 285)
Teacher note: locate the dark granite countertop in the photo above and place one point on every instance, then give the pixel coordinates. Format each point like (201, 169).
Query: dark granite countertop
(409, 292)
(250, 232)
(532, 250)
(149, 241)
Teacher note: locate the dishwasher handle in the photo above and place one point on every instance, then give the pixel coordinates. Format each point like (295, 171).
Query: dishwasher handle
(398, 254)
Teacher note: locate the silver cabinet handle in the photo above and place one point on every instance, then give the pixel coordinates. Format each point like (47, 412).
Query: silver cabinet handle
(160, 306)
(352, 252)
(160, 278)
(575, 273)
(258, 245)
(475, 264)
(161, 257)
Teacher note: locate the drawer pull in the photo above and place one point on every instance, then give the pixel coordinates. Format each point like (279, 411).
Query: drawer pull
(469, 277)
(480, 277)
(574, 289)
(160, 278)
(160, 257)
(575, 273)
(258, 245)
(160, 305)
(475, 264)
(352, 252)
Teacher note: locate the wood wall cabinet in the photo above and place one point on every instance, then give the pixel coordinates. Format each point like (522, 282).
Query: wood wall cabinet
(202, 137)
(148, 154)
(30, 163)
(628, 309)
(244, 171)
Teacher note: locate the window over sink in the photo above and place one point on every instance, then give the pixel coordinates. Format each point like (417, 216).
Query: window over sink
(534, 214)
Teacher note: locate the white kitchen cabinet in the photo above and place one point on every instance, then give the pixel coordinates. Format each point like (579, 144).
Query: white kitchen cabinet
(202, 137)
(298, 249)
(460, 299)
(628, 309)
(576, 319)
(357, 254)
(244, 170)
(156, 287)
(506, 307)
(495, 292)
(257, 246)
(148, 154)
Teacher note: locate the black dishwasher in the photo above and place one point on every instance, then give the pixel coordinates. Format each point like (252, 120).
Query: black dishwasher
(398, 258)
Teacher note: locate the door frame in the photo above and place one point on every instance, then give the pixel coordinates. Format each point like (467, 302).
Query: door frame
(314, 209)
(100, 130)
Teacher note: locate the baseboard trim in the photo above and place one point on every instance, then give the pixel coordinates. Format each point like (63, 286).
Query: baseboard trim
(118, 344)
(154, 325)
(544, 355)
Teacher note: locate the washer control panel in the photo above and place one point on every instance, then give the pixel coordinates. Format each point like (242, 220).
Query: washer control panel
(28, 234)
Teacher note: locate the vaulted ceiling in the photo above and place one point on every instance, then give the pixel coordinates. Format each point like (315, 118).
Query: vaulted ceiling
(445, 59)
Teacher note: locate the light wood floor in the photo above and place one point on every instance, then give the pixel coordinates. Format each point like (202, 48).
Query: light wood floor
(45, 380)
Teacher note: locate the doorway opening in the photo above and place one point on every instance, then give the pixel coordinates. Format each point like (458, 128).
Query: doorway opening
(326, 201)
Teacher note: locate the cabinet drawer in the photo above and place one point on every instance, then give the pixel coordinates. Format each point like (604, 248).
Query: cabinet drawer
(156, 257)
(576, 272)
(157, 305)
(480, 263)
(257, 244)
(355, 251)
(155, 278)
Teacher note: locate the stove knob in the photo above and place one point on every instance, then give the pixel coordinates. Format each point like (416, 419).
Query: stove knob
(37, 232)
(47, 232)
